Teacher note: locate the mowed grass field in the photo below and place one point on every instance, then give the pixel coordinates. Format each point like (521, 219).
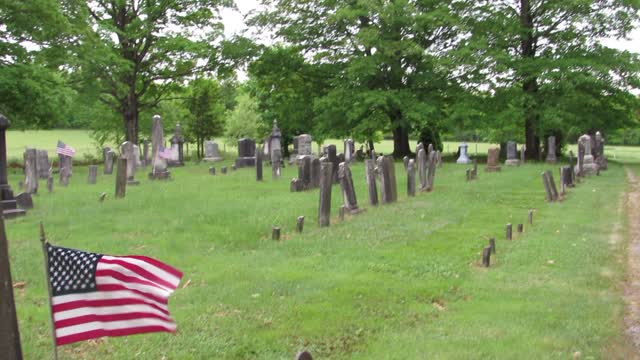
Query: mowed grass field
(400, 281)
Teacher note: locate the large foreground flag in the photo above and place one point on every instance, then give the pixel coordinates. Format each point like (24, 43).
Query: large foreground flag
(95, 295)
(64, 149)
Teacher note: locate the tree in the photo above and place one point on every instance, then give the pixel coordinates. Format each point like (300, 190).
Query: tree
(206, 109)
(390, 70)
(137, 52)
(546, 56)
(244, 121)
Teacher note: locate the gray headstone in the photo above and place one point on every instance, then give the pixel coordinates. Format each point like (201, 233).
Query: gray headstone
(332, 157)
(24, 201)
(512, 154)
(30, 171)
(127, 151)
(349, 150)
(431, 174)
(109, 158)
(50, 184)
(370, 175)
(158, 164)
(348, 191)
(177, 143)
(386, 171)
(551, 150)
(211, 151)
(146, 159)
(43, 164)
(464, 157)
(315, 173)
(259, 165)
(276, 161)
(121, 178)
(411, 178)
(421, 159)
(304, 145)
(326, 182)
(93, 174)
(246, 153)
(589, 167)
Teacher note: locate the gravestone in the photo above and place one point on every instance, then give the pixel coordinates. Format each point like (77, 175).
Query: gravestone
(512, 154)
(386, 172)
(259, 165)
(108, 156)
(64, 176)
(30, 171)
(128, 152)
(431, 174)
(522, 153)
(223, 169)
(50, 183)
(315, 173)
(211, 151)
(66, 163)
(326, 182)
(93, 174)
(24, 201)
(121, 178)
(405, 161)
(212, 170)
(177, 143)
(601, 160)
(158, 163)
(493, 160)
(589, 167)
(551, 150)
(463, 158)
(246, 153)
(137, 156)
(303, 181)
(275, 148)
(304, 145)
(547, 187)
(349, 150)
(554, 189)
(439, 158)
(146, 160)
(348, 191)
(8, 204)
(421, 159)
(411, 178)
(42, 163)
(370, 175)
(332, 156)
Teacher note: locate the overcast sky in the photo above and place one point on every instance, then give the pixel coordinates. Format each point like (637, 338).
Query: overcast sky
(234, 24)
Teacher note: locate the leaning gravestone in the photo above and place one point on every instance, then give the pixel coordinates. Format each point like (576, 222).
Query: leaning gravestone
(246, 153)
(42, 163)
(512, 154)
(589, 167)
(493, 160)
(601, 160)
(386, 171)
(108, 156)
(158, 163)
(211, 151)
(421, 158)
(30, 171)
(137, 156)
(370, 174)
(348, 191)
(128, 152)
(463, 158)
(551, 150)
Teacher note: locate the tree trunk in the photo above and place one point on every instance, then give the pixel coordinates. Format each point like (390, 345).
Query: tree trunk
(401, 142)
(130, 114)
(371, 147)
(529, 82)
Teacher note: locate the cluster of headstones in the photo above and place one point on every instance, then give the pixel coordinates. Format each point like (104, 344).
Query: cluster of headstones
(490, 249)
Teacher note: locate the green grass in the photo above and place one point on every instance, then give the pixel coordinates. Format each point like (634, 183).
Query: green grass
(400, 281)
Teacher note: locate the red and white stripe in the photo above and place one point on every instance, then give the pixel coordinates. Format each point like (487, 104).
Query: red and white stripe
(66, 151)
(131, 298)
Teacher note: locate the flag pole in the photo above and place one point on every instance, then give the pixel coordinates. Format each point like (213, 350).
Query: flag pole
(43, 240)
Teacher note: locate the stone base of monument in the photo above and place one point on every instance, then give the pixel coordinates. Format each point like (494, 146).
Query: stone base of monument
(133, 182)
(160, 175)
(245, 162)
(464, 161)
(512, 162)
(10, 209)
(174, 163)
(212, 159)
(24, 201)
(492, 168)
(354, 211)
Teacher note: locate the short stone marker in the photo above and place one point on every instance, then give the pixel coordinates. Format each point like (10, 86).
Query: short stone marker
(512, 154)
(303, 355)
(275, 233)
(492, 244)
(530, 217)
(234, 167)
(93, 174)
(493, 160)
(108, 157)
(259, 164)
(223, 169)
(326, 182)
(102, 197)
(486, 256)
(348, 191)
(520, 228)
(341, 212)
(30, 171)
(50, 184)
(509, 232)
(212, 170)
(42, 163)
(300, 224)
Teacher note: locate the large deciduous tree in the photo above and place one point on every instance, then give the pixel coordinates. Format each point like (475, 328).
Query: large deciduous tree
(546, 57)
(389, 62)
(138, 51)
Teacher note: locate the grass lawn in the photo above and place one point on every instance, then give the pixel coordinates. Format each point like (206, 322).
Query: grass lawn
(400, 281)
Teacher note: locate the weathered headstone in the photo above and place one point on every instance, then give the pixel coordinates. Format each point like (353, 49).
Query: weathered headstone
(547, 187)
(509, 232)
(512, 154)
(128, 152)
(64, 176)
(223, 169)
(370, 174)
(411, 178)
(65, 162)
(304, 145)
(93, 174)
(146, 160)
(212, 170)
(332, 156)
(158, 163)
(246, 153)
(326, 182)
(589, 167)
(50, 184)
(421, 159)
(405, 161)
(315, 173)
(493, 160)
(431, 174)
(492, 244)
(211, 151)
(551, 150)
(177, 143)
(300, 224)
(552, 182)
(24, 201)
(275, 233)
(108, 157)
(601, 159)
(8, 204)
(463, 158)
(42, 163)
(137, 157)
(121, 177)
(30, 171)
(486, 256)
(348, 191)
(349, 150)
(386, 171)
(259, 165)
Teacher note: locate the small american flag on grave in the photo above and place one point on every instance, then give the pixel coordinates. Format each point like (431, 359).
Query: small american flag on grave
(95, 295)
(64, 149)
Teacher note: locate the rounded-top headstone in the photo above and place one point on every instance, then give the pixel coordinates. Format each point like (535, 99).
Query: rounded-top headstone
(156, 117)
(304, 355)
(4, 122)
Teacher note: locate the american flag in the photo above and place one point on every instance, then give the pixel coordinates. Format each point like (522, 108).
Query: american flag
(64, 149)
(165, 153)
(95, 295)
